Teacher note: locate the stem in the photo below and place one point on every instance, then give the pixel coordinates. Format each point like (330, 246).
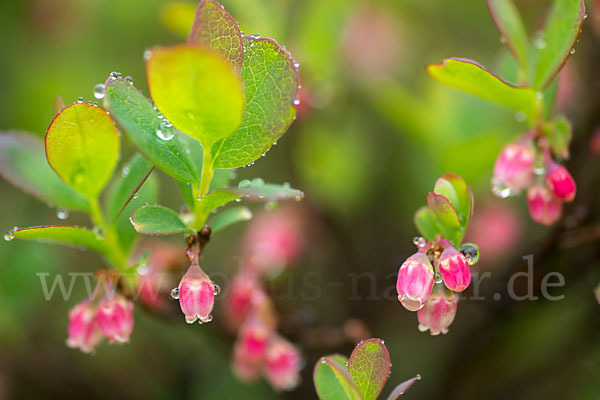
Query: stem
(114, 252)
(205, 180)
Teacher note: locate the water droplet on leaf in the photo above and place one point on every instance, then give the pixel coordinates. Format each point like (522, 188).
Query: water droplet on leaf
(61, 213)
(99, 91)
(175, 293)
(471, 252)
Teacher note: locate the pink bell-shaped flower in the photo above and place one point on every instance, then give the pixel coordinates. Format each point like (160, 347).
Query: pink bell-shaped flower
(415, 280)
(283, 364)
(513, 170)
(560, 181)
(115, 317)
(84, 331)
(196, 294)
(544, 207)
(439, 311)
(454, 268)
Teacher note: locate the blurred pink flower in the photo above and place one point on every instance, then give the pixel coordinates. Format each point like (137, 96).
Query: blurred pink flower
(560, 181)
(438, 312)
(243, 287)
(513, 170)
(544, 207)
(283, 364)
(84, 331)
(115, 317)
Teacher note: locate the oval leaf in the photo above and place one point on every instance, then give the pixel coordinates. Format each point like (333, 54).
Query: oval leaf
(200, 93)
(157, 220)
(510, 25)
(23, 163)
(403, 387)
(271, 83)
(229, 217)
(559, 38)
(214, 29)
(446, 217)
(140, 122)
(67, 235)
(369, 366)
(82, 146)
(454, 188)
(471, 77)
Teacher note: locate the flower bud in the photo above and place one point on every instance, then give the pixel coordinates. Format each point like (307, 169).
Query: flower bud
(513, 170)
(115, 317)
(84, 331)
(438, 312)
(239, 298)
(560, 181)
(454, 269)
(544, 207)
(415, 280)
(196, 295)
(283, 364)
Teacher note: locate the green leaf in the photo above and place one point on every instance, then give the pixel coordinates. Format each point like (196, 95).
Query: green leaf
(140, 122)
(82, 146)
(229, 217)
(427, 224)
(271, 83)
(200, 93)
(402, 388)
(509, 24)
(157, 220)
(454, 188)
(214, 200)
(124, 188)
(23, 163)
(445, 217)
(471, 77)
(258, 190)
(560, 137)
(66, 235)
(558, 40)
(332, 380)
(214, 29)
(369, 366)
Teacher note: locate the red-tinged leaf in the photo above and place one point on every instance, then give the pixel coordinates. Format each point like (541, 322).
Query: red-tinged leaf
(369, 366)
(558, 40)
(214, 29)
(509, 24)
(341, 373)
(471, 77)
(402, 388)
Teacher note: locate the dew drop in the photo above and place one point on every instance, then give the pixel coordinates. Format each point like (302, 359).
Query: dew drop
(572, 51)
(422, 328)
(502, 40)
(217, 289)
(438, 277)
(125, 171)
(165, 133)
(244, 184)
(80, 99)
(8, 236)
(296, 64)
(419, 241)
(99, 91)
(499, 189)
(206, 319)
(114, 75)
(410, 303)
(129, 80)
(175, 293)
(61, 213)
(98, 231)
(539, 41)
(135, 195)
(296, 101)
(471, 252)
(258, 182)
(90, 102)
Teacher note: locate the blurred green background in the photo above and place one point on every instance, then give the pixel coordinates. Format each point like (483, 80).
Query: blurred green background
(372, 135)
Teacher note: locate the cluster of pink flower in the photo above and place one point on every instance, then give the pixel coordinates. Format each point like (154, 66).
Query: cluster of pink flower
(88, 324)
(427, 282)
(272, 242)
(527, 164)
